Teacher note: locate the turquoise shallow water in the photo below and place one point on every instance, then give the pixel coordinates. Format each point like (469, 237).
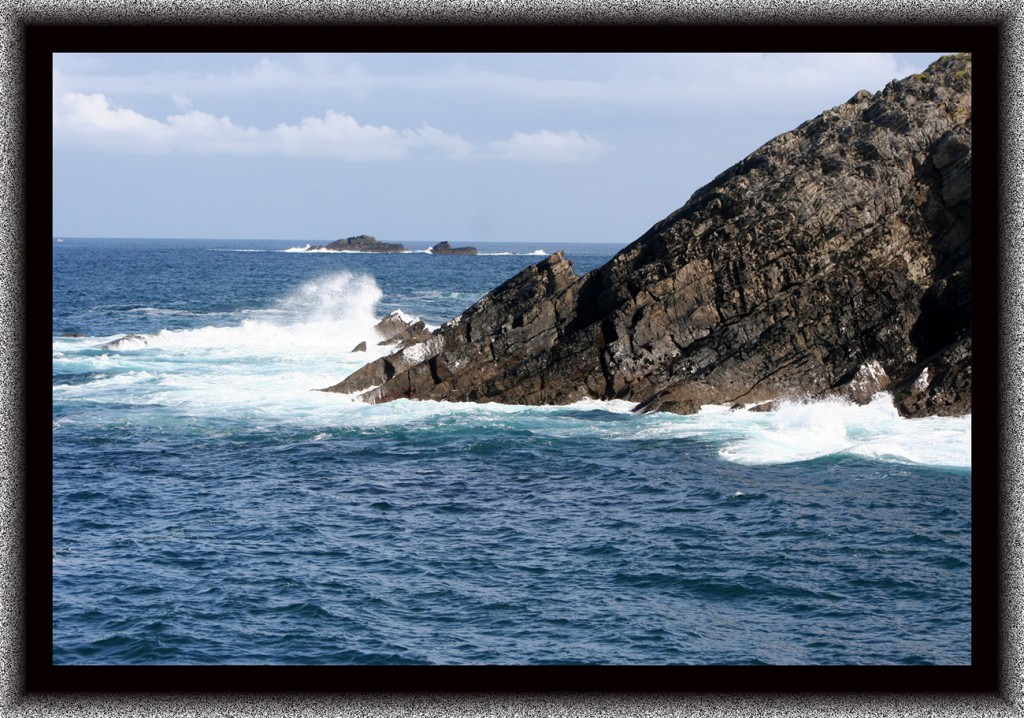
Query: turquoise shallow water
(211, 508)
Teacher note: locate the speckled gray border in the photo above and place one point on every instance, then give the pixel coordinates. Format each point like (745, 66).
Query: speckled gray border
(13, 13)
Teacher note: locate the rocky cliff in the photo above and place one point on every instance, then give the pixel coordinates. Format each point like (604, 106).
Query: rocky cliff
(835, 259)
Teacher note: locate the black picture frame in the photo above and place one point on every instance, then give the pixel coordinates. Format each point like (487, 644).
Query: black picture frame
(40, 677)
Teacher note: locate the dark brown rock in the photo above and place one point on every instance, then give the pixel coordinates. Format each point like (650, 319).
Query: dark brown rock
(445, 248)
(398, 329)
(360, 347)
(361, 243)
(835, 259)
(118, 343)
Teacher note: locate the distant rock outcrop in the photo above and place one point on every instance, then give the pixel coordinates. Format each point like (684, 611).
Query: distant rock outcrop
(834, 260)
(445, 248)
(361, 243)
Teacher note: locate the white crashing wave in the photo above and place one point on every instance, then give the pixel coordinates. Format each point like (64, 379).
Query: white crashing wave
(534, 253)
(800, 431)
(267, 366)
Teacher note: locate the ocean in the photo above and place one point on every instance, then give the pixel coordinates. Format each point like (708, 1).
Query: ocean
(211, 507)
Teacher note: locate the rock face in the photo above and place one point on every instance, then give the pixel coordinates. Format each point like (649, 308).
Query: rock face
(361, 243)
(445, 248)
(835, 259)
(398, 329)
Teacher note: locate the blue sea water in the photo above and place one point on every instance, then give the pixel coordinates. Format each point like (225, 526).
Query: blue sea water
(211, 507)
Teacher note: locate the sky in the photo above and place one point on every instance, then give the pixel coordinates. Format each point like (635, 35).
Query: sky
(470, 148)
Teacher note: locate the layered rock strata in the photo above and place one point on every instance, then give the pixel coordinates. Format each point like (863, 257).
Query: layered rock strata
(835, 259)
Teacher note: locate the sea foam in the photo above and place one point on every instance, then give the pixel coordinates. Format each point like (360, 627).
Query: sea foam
(534, 253)
(331, 313)
(801, 431)
(268, 363)
(273, 357)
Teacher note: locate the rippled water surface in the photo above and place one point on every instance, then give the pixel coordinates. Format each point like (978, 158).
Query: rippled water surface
(210, 507)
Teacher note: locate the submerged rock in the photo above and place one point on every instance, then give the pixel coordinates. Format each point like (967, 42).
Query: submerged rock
(126, 339)
(445, 248)
(835, 259)
(360, 243)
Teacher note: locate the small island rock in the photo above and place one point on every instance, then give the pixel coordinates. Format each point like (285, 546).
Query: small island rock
(445, 248)
(360, 243)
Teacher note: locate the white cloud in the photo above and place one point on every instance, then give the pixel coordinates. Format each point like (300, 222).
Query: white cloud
(338, 135)
(451, 145)
(668, 79)
(202, 132)
(92, 120)
(85, 73)
(547, 146)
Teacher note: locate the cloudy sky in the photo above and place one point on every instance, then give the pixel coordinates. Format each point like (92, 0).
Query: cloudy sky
(469, 148)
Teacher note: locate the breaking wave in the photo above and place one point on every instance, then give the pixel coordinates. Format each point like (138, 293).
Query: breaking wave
(305, 249)
(269, 360)
(534, 253)
(798, 431)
